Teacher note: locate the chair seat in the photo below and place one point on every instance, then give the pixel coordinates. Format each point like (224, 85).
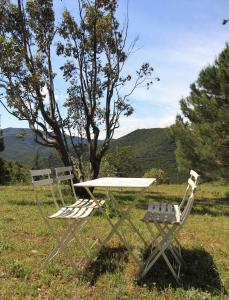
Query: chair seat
(77, 212)
(86, 203)
(163, 213)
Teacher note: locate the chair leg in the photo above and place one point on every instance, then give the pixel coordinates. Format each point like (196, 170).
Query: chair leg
(63, 249)
(69, 235)
(179, 248)
(159, 250)
(176, 255)
(174, 251)
(60, 243)
(137, 232)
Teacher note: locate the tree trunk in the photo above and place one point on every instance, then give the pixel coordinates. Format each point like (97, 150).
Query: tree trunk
(94, 168)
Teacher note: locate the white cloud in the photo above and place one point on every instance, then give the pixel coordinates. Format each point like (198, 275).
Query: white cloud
(177, 65)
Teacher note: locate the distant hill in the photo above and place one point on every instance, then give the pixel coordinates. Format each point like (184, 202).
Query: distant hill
(20, 146)
(152, 148)
(21, 149)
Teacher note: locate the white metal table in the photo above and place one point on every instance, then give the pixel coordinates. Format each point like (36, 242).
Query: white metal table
(110, 183)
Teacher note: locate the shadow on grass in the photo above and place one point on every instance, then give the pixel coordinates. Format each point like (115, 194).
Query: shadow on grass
(28, 202)
(214, 208)
(199, 273)
(108, 260)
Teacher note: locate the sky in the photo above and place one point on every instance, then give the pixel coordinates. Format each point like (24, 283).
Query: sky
(178, 38)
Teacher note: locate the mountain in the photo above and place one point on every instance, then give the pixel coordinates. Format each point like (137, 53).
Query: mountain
(152, 148)
(20, 145)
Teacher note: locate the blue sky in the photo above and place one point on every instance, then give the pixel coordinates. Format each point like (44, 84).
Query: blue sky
(178, 38)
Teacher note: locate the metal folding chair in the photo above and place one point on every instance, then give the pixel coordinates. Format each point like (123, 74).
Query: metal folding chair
(65, 176)
(77, 214)
(168, 220)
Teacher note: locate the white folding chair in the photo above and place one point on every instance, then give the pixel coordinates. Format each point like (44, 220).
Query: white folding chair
(168, 220)
(75, 213)
(65, 175)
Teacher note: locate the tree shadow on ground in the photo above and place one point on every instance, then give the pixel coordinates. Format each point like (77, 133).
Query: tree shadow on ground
(214, 208)
(109, 260)
(30, 202)
(199, 273)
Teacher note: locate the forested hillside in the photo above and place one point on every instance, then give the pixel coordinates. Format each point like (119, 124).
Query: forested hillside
(152, 148)
(21, 147)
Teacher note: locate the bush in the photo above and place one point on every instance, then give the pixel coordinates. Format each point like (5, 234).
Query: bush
(12, 172)
(159, 174)
(107, 169)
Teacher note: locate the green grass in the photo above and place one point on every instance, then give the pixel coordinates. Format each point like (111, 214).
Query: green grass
(25, 242)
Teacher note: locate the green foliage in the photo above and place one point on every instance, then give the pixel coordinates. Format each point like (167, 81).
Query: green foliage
(152, 147)
(19, 270)
(94, 52)
(95, 45)
(149, 147)
(45, 160)
(159, 174)
(122, 161)
(107, 169)
(2, 145)
(27, 31)
(202, 133)
(36, 163)
(13, 172)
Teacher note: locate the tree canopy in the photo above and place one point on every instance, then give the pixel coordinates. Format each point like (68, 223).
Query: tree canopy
(93, 50)
(122, 160)
(202, 131)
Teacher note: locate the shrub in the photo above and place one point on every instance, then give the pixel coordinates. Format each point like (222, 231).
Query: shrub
(12, 172)
(159, 174)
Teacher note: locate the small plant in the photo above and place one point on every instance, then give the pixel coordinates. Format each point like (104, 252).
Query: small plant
(159, 174)
(110, 210)
(19, 270)
(5, 246)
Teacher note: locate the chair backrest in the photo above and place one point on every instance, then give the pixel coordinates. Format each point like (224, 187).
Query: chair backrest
(42, 178)
(188, 199)
(64, 174)
(194, 177)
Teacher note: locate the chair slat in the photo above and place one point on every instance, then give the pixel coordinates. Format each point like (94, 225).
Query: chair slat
(72, 213)
(156, 212)
(65, 177)
(163, 212)
(170, 213)
(192, 184)
(40, 172)
(63, 169)
(177, 213)
(194, 174)
(43, 182)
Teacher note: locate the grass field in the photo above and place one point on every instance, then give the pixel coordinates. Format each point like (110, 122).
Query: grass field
(25, 242)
